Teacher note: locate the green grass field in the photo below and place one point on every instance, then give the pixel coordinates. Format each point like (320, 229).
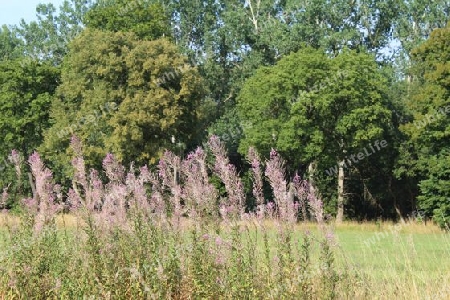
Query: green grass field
(406, 261)
(393, 261)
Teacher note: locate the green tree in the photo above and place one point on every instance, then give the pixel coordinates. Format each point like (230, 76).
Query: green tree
(47, 38)
(10, 44)
(428, 132)
(314, 108)
(231, 39)
(147, 19)
(417, 19)
(123, 95)
(29, 55)
(25, 97)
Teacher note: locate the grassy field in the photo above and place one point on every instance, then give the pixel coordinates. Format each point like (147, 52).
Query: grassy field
(397, 258)
(402, 260)
(389, 261)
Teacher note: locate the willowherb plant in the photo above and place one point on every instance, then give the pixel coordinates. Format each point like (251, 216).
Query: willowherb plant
(137, 190)
(255, 162)
(286, 209)
(87, 192)
(115, 203)
(309, 199)
(199, 195)
(79, 179)
(234, 206)
(115, 194)
(113, 169)
(168, 169)
(95, 191)
(157, 202)
(106, 203)
(17, 161)
(74, 201)
(42, 205)
(78, 161)
(132, 246)
(4, 197)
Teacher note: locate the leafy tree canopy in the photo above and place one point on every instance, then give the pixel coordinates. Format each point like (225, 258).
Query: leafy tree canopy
(26, 92)
(429, 131)
(10, 44)
(147, 19)
(313, 108)
(310, 105)
(47, 38)
(123, 95)
(25, 97)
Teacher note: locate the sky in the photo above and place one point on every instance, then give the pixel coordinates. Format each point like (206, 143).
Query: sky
(12, 11)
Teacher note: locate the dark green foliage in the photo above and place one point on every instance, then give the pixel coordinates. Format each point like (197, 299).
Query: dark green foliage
(25, 98)
(316, 109)
(26, 93)
(428, 144)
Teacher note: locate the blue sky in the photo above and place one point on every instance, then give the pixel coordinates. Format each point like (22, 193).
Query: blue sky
(12, 11)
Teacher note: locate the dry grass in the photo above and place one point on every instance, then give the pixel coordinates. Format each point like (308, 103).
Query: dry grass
(407, 227)
(62, 221)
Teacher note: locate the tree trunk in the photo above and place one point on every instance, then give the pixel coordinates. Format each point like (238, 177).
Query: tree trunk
(340, 200)
(312, 184)
(33, 186)
(311, 169)
(397, 209)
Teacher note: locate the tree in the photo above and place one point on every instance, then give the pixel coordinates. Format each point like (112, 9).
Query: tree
(47, 38)
(429, 130)
(417, 19)
(9, 44)
(229, 40)
(123, 95)
(147, 19)
(25, 97)
(314, 108)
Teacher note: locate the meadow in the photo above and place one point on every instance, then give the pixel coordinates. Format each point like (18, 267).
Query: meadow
(170, 234)
(412, 262)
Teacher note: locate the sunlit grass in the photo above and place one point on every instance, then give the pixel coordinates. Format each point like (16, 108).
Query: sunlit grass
(410, 261)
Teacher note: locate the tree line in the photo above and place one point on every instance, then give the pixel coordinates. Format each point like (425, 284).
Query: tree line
(353, 94)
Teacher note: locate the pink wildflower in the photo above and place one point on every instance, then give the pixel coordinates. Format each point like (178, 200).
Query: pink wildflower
(113, 169)
(275, 173)
(227, 173)
(255, 161)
